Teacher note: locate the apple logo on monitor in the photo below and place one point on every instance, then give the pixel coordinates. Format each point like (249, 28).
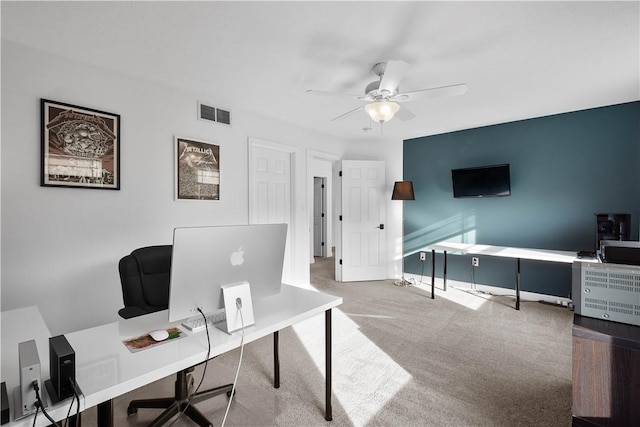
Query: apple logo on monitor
(237, 257)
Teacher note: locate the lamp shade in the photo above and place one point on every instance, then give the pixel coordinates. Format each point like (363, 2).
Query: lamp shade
(403, 190)
(382, 111)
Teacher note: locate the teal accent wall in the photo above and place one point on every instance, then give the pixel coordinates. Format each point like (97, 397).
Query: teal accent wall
(565, 168)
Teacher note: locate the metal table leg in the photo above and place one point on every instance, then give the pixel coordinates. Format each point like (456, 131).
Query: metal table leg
(327, 342)
(433, 274)
(444, 271)
(518, 284)
(276, 360)
(105, 414)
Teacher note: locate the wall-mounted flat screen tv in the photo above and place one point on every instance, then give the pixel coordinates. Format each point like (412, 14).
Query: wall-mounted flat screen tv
(485, 181)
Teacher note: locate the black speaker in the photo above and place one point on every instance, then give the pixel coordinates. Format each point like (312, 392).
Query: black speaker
(612, 226)
(62, 367)
(4, 419)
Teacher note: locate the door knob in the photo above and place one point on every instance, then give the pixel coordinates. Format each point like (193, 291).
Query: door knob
(381, 227)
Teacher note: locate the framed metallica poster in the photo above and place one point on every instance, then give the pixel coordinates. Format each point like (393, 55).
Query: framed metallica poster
(80, 147)
(197, 170)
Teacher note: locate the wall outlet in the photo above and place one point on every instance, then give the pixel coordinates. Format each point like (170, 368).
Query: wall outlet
(423, 256)
(475, 261)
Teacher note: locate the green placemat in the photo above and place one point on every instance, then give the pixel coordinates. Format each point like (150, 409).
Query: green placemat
(145, 341)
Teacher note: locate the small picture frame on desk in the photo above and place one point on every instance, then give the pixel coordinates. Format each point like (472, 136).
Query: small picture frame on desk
(80, 147)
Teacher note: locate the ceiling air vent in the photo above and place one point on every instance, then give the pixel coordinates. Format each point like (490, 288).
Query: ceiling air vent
(214, 114)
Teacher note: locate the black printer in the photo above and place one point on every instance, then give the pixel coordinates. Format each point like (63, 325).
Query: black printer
(620, 252)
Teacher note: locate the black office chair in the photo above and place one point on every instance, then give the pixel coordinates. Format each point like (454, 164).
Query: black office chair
(145, 276)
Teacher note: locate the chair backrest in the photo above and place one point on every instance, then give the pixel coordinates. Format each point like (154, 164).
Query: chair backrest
(145, 275)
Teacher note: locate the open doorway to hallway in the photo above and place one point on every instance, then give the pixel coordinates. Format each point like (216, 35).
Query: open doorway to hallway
(319, 217)
(322, 271)
(321, 206)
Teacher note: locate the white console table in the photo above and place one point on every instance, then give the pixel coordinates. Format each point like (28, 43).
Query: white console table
(565, 257)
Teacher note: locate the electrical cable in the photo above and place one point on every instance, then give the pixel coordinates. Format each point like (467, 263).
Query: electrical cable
(40, 405)
(473, 277)
(35, 415)
(474, 286)
(66, 420)
(235, 380)
(206, 363)
(75, 397)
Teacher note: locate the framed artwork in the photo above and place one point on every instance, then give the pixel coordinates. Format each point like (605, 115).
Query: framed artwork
(197, 170)
(80, 147)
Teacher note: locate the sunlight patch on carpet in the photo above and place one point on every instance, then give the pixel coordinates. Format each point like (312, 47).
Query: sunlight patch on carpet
(457, 296)
(364, 377)
(370, 316)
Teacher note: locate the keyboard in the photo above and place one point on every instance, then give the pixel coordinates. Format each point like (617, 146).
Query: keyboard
(197, 324)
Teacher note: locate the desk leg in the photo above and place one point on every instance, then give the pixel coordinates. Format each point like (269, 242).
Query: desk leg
(75, 421)
(327, 342)
(518, 285)
(105, 414)
(444, 272)
(276, 360)
(433, 274)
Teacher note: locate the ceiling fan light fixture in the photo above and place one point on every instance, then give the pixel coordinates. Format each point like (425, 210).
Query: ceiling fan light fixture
(382, 111)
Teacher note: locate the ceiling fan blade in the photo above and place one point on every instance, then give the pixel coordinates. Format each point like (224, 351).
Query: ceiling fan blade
(404, 114)
(333, 94)
(348, 113)
(434, 92)
(366, 98)
(393, 74)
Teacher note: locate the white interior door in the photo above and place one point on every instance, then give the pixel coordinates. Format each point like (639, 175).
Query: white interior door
(270, 192)
(362, 254)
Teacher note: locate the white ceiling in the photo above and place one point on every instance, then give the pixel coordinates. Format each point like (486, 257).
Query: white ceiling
(519, 59)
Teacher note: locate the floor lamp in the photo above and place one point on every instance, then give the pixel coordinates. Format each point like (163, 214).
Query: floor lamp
(403, 190)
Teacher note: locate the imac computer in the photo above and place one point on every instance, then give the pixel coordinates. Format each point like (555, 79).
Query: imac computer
(206, 258)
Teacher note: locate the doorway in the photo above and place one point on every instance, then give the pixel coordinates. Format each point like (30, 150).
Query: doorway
(319, 217)
(320, 167)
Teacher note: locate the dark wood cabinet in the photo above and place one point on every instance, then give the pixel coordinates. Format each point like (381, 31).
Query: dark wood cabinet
(606, 373)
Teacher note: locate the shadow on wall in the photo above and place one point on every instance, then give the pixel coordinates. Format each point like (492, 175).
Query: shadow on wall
(459, 228)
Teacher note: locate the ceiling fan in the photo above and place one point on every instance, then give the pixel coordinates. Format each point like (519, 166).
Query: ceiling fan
(383, 95)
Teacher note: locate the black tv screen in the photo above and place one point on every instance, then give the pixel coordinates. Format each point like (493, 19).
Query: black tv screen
(485, 181)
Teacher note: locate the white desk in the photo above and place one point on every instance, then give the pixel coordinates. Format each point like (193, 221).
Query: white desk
(497, 251)
(106, 369)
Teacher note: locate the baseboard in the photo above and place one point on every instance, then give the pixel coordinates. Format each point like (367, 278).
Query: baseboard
(493, 290)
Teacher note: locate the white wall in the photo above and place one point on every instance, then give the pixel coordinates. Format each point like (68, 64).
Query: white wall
(61, 246)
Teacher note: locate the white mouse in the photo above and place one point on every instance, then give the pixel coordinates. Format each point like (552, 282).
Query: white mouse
(159, 335)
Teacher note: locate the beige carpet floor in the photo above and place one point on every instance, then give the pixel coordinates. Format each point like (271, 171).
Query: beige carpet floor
(399, 359)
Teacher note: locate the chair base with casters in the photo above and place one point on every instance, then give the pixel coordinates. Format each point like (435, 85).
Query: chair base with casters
(145, 276)
(181, 402)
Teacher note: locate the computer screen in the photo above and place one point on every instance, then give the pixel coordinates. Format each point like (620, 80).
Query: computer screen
(206, 258)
